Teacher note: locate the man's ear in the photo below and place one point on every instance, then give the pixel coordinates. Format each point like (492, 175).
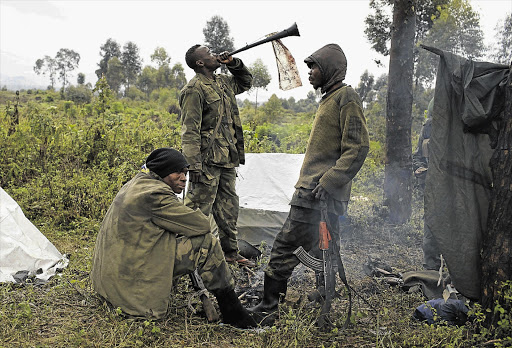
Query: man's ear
(199, 63)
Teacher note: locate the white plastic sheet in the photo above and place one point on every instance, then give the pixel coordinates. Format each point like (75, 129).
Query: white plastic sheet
(23, 247)
(265, 186)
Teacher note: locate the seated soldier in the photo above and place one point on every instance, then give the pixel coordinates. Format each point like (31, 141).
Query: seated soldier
(148, 238)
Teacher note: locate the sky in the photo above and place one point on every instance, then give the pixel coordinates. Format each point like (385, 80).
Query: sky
(30, 30)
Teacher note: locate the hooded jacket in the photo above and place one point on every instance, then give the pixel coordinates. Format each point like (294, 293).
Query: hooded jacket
(339, 140)
(332, 63)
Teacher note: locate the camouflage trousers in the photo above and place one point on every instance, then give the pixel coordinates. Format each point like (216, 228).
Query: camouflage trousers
(204, 253)
(216, 194)
(299, 229)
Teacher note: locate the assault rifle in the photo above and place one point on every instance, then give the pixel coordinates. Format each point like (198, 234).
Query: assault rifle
(331, 260)
(209, 309)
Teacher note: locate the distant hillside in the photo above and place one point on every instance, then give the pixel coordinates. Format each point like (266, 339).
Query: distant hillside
(19, 82)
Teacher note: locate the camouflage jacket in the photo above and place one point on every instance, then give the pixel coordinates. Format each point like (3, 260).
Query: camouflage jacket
(202, 102)
(135, 248)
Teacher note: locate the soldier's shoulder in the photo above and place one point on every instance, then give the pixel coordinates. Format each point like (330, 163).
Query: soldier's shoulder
(194, 83)
(347, 94)
(350, 92)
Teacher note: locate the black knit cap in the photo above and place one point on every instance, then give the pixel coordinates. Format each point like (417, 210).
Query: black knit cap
(165, 161)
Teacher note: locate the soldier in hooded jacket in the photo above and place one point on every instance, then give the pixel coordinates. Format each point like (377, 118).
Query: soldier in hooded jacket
(212, 140)
(336, 150)
(148, 238)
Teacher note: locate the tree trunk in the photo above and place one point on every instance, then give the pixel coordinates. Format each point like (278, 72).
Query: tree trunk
(497, 253)
(398, 170)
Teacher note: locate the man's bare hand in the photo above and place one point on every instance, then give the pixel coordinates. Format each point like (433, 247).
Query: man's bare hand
(320, 193)
(225, 58)
(194, 175)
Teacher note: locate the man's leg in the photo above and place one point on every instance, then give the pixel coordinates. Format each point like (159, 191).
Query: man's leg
(225, 210)
(204, 253)
(282, 260)
(201, 195)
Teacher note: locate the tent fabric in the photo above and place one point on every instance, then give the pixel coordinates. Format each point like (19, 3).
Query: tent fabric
(265, 185)
(23, 247)
(468, 95)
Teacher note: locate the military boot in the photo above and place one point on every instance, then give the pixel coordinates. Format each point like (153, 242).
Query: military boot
(318, 295)
(232, 311)
(274, 292)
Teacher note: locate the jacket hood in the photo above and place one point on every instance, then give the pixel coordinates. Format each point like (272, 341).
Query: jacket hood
(332, 63)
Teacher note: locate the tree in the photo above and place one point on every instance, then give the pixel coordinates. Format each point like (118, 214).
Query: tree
(180, 80)
(160, 57)
(108, 50)
(365, 86)
(502, 52)
(67, 61)
(80, 79)
(273, 111)
(216, 36)
(397, 181)
(456, 29)
(378, 24)
(114, 74)
(46, 66)
(497, 241)
(260, 77)
(132, 63)
(146, 81)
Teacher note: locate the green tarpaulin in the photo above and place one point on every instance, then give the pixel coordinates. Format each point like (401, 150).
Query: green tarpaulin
(468, 95)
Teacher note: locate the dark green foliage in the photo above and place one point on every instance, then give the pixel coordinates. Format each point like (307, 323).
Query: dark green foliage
(131, 62)
(65, 162)
(79, 94)
(108, 50)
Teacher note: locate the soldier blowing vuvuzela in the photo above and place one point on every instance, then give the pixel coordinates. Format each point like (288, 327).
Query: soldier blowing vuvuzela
(212, 141)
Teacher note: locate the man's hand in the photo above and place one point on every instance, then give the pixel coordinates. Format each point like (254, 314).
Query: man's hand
(225, 58)
(420, 171)
(320, 193)
(194, 175)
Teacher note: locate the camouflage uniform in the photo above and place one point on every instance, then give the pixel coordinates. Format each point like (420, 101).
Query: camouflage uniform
(337, 147)
(202, 102)
(147, 238)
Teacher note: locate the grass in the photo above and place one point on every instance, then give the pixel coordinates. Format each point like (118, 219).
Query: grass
(65, 312)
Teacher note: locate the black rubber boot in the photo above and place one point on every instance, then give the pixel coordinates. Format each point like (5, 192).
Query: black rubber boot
(318, 294)
(274, 292)
(233, 312)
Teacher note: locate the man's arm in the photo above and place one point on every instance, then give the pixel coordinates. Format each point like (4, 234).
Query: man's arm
(191, 104)
(171, 215)
(242, 77)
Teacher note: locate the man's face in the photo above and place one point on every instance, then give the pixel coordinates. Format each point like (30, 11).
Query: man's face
(177, 181)
(208, 60)
(315, 76)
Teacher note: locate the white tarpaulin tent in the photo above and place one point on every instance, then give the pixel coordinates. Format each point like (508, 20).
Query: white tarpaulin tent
(22, 246)
(265, 185)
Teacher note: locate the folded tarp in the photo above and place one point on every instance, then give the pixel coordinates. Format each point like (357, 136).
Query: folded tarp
(23, 247)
